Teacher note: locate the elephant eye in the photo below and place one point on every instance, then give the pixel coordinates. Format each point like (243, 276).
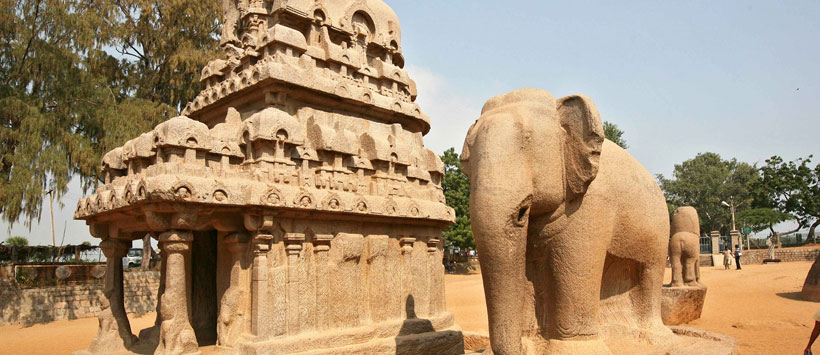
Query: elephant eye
(522, 214)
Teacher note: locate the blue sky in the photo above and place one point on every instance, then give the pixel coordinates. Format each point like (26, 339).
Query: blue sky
(739, 78)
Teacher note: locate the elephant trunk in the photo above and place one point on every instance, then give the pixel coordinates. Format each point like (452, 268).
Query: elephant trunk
(500, 230)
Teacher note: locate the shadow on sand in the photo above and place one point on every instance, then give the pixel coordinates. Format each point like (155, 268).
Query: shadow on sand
(797, 295)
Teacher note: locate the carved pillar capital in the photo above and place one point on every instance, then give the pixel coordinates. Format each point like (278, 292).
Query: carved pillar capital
(432, 245)
(321, 242)
(176, 241)
(406, 244)
(255, 223)
(99, 230)
(237, 242)
(115, 248)
(261, 243)
(293, 243)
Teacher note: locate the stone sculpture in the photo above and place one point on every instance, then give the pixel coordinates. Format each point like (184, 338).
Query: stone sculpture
(684, 247)
(571, 230)
(296, 207)
(683, 299)
(811, 286)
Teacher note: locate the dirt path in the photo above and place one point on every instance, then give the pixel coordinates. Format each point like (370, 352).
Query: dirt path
(759, 306)
(58, 337)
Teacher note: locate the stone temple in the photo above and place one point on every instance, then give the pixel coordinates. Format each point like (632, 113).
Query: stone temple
(296, 207)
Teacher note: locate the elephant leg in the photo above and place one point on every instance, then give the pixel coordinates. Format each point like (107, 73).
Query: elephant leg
(575, 288)
(677, 270)
(690, 277)
(646, 299)
(573, 296)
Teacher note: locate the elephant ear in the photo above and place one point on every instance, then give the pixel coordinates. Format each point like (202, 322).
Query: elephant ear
(468, 142)
(583, 143)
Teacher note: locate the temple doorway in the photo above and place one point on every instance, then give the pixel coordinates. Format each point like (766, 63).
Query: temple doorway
(203, 287)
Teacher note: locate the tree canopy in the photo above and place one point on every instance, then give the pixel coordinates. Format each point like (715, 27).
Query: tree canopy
(17, 241)
(707, 180)
(615, 134)
(792, 188)
(759, 219)
(456, 187)
(80, 77)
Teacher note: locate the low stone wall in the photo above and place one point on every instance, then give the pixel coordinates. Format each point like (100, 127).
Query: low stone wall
(45, 304)
(785, 255)
(756, 256)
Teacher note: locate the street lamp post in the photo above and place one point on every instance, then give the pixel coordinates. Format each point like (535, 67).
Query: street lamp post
(731, 208)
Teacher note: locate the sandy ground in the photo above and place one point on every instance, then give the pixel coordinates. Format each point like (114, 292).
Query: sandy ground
(758, 305)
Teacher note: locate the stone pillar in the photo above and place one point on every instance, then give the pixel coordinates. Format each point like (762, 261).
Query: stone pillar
(232, 320)
(321, 246)
(436, 276)
(715, 235)
(736, 239)
(260, 304)
(176, 336)
(407, 309)
(114, 334)
(297, 294)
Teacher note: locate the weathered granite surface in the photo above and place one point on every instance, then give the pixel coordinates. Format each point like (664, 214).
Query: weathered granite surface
(682, 304)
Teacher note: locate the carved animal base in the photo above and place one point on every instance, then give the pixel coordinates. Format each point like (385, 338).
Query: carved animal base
(438, 335)
(686, 341)
(681, 305)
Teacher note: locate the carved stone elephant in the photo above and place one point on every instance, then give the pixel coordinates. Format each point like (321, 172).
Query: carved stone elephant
(571, 230)
(684, 247)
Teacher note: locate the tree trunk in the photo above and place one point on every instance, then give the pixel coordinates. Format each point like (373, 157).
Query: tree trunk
(811, 234)
(778, 235)
(147, 252)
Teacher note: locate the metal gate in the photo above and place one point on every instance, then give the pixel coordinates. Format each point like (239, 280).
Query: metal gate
(705, 244)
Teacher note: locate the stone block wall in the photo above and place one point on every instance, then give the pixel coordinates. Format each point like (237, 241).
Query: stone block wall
(45, 304)
(785, 255)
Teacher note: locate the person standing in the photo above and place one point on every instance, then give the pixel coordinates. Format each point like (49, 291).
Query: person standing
(814, 333)
(727, 257)
(737, 256)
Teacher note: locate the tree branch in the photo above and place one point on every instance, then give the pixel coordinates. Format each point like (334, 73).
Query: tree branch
(34, 31)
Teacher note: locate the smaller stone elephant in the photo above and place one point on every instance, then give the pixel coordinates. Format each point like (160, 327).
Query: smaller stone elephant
(684, 247)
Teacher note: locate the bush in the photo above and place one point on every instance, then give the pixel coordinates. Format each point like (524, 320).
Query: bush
(17, 241)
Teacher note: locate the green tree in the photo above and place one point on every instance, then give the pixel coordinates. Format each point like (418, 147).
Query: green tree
(759, 219)
(791, 188)
(615, 134)
(707, 180)
(456, 187)
(80, 77)
(17, 241)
